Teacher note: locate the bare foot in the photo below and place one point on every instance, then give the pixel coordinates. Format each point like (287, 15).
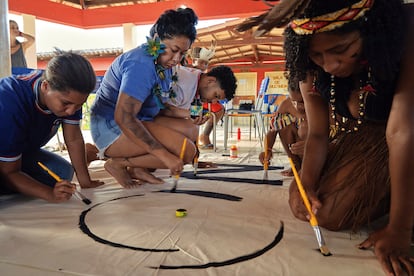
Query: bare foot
(287, 172)
(203, 164)
(121, 174)
(143, 175)
(91, 153)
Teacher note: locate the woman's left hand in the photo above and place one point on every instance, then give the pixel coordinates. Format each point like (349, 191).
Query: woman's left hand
(392, 246)
(199, 120)
(297, 148)
(92, 184)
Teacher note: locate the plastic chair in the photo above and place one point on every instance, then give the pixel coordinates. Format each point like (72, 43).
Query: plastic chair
(255, 113)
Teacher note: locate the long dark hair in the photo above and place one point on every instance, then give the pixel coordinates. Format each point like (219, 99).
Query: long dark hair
(381, 29)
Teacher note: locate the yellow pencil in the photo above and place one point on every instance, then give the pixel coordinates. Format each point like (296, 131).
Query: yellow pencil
(313, 221)
(58, 179)
(51, 173)
(181, 157)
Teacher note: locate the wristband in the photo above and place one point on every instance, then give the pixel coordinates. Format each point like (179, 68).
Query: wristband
(20, 33)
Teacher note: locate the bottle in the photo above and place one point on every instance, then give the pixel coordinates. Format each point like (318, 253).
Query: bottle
(196, 108)
(233, 151)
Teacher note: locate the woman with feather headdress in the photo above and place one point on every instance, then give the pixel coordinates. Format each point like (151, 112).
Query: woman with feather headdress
(353, 60)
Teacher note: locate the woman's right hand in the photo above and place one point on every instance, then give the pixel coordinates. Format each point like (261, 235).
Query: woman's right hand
(62, 191)
(262, 156)
(173, 163)
(296, 204)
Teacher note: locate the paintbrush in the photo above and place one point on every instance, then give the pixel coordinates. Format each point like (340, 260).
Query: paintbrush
(174, 188)
(77, 194)
(195, 165)
(266, 161)
(313, 221)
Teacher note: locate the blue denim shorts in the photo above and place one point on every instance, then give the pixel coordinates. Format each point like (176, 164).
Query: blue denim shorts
(104, 133)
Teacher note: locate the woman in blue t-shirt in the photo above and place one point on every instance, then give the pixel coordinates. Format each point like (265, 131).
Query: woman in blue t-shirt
(32, 107)
(132, 93)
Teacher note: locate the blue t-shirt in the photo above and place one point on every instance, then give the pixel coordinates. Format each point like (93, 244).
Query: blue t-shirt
(135, 74)
(24, 125)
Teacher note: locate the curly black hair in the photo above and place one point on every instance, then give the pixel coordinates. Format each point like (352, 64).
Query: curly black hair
(176, 23)
(226, 79)
(381, 30)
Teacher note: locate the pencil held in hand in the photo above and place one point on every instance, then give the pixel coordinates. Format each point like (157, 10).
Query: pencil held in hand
(77, 194)
(174, 188)
(313, 221)
(51, 173)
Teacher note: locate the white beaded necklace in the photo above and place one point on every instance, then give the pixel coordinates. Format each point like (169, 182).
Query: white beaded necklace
(364, 90)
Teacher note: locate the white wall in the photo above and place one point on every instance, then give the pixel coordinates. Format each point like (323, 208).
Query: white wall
(49, 35)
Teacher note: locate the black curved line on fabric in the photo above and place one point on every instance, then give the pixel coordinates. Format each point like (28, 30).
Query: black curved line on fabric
(85, 229)
(190, 175)
(240, 259)
(234, 169)
(257, 167)
(204, 194)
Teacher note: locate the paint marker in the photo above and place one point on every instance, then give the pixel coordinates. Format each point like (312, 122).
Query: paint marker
(313, 222)
(77, 194)
(174, 188)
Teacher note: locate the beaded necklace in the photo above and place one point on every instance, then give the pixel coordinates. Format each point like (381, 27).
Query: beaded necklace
(341, 125)
(154, 48)
(162, 95)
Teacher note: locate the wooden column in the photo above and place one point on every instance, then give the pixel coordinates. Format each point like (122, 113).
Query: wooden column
(130, 40)
(5, 60)
(29, 27)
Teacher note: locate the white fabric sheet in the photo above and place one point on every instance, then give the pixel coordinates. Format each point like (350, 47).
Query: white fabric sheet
(39, 238)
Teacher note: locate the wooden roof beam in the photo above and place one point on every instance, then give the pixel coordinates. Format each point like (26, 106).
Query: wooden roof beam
(82, 4)
(255, 53)
(231, 42)
(136, 14)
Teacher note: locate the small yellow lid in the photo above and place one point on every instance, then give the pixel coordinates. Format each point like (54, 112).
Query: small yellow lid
(180, 213)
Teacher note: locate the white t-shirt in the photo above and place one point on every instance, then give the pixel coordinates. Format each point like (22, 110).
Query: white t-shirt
(186, 86)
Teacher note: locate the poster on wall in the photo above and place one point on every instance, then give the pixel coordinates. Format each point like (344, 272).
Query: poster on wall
(278, 83)
(276, 92)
